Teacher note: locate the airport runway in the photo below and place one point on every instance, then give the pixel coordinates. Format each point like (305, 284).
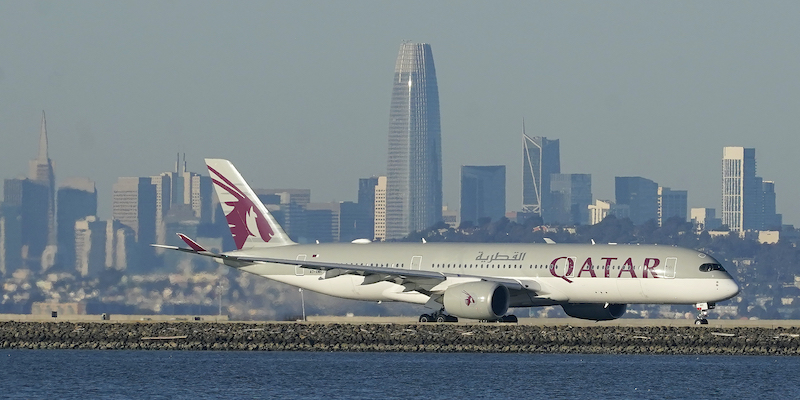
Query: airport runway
(624, 322)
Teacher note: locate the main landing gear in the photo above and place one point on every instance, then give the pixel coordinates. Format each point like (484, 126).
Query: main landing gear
(438, 316)
(702, 309)
(510, 319)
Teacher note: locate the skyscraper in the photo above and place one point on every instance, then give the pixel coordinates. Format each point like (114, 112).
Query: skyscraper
(571, 195)
(540, 159)
(671, 203)
(740, 189)
(77, 199)
(366, 204)
(772, 220)
(134, 205)
(748, 202)
(640, 195)
(24, 210)
(41, 171)
(483, 192)
(380, 209)
(414, 165)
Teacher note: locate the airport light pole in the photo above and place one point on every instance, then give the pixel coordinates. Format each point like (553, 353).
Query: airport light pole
(302, 303)
(219, 299)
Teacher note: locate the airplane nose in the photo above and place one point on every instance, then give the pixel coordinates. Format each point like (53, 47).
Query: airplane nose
(728, 288)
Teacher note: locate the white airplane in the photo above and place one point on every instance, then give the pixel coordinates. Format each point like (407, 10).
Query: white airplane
(467, 280)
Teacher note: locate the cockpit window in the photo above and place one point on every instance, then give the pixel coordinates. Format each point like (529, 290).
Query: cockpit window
(711, 267)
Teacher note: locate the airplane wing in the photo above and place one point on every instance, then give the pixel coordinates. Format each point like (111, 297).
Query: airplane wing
(422, 278)
(422, 281)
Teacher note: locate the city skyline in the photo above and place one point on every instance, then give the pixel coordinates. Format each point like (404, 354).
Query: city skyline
(182, 187)
(649, 89)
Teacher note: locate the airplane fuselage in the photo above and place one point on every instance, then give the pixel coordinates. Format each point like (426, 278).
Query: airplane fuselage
(554, 274)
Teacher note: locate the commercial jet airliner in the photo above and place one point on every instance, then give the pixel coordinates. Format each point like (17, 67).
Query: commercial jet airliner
(466, 280)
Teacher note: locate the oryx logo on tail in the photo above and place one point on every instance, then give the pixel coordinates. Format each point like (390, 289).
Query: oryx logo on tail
(244, 218)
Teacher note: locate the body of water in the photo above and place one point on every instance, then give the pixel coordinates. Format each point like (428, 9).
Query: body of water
(80, 374)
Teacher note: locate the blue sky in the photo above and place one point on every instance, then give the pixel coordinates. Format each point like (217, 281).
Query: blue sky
(297, 93)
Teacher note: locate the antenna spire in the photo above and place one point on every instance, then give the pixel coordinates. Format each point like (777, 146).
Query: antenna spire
(43, 156)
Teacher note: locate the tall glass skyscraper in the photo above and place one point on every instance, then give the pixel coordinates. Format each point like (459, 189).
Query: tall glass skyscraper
(414, 167)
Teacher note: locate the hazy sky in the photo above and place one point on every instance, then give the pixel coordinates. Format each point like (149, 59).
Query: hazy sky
(296, 93)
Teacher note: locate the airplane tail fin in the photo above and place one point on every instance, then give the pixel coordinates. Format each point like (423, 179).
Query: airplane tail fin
(248, 219)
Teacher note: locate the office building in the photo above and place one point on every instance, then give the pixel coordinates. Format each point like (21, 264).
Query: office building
(740, 189)
(201, 196)
(76, 200)
(10, 240)
(640, 195)
(186, 188)
(354, 222)
(380, 209)
(570, 195)
(748, 202)
(25, 210)
(450, 217)
(290, 206)
(603, 208)
(366, 202)
(771, 219)
(483, 192)
(134, 205)
(322, 222)
(414, 165)
(90, 246)
(540, 159)
(705, 219)
(671, 203)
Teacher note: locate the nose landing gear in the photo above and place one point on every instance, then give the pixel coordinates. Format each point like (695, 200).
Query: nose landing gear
(702, 309)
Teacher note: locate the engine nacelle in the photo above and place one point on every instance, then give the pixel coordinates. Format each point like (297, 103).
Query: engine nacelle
(595, 312)
(477, 300)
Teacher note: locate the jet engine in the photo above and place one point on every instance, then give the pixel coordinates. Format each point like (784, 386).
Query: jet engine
(595, 312)
(477, 300)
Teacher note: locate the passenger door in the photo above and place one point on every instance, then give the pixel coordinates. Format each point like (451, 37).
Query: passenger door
(298, 270)
(670, 267)
(416, 262)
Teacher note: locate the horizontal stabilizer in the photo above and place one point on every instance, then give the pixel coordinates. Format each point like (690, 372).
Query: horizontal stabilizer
(191, 243)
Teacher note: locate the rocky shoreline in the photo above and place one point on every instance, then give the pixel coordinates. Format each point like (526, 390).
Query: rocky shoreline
(440, 338)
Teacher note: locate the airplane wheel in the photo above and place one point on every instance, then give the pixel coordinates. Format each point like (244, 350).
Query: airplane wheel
(424, 318)
(510, 318)
(441, 318)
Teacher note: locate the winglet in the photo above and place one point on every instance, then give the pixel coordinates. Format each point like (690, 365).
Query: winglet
(191, 243)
